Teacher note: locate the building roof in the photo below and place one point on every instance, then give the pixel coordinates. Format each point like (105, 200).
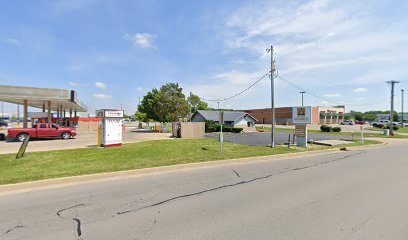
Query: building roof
(229, 116)
(37, 97)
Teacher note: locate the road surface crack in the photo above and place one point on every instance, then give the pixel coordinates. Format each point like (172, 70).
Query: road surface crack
(238, 183)
(13, 228)
(62, 210)
(78, 228)
(236, 173)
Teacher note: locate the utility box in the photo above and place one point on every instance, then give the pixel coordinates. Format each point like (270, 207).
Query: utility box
(111, 127)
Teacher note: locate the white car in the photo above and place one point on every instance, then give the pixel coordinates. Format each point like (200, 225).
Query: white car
(347, 122)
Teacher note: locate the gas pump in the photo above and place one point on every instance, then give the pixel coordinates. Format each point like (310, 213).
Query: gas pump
(111, 127)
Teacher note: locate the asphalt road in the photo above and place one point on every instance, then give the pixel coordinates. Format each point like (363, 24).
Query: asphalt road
(264, 138)
(359, 194)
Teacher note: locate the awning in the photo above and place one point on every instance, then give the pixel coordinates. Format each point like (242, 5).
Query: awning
(39, 97)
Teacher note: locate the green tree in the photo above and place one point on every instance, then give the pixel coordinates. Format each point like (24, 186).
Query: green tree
(196, 103)
(148, 105)
(141, 117)
(171, 103)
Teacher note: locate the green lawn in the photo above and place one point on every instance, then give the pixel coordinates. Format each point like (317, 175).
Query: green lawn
(54, 164)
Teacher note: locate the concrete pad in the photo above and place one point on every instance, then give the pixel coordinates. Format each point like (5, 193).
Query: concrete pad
(331, 142)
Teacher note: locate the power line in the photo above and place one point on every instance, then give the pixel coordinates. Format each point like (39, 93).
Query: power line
(236, 95)
(326, 99)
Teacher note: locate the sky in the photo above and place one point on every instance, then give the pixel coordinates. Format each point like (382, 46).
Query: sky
(114, 51)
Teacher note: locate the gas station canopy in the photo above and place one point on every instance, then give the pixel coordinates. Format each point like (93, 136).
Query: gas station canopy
(42, 98)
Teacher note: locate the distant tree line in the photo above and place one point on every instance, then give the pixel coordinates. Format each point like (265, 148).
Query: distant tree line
(370, 116)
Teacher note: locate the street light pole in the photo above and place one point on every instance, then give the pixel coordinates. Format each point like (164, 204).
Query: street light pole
(302, 96)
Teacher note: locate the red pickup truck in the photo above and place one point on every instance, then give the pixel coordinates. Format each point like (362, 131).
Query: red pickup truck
(41, 130)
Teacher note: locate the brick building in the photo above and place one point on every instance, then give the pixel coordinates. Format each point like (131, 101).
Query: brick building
(283, 115)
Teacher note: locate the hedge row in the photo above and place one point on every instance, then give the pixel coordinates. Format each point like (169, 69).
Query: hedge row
(326, 128)
(211, 126)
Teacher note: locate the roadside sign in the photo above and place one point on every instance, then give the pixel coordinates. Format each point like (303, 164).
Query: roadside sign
(300, 130)
(302, 115)
(23, 147)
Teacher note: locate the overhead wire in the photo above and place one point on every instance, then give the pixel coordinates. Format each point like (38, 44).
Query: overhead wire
(326, 99)
(237, 94)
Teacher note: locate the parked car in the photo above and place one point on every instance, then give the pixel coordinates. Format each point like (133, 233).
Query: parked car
(347, 122)
(360, 122)
(41, 130)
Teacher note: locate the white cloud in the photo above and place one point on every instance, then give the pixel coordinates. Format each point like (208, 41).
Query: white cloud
(143, 40)
(100, 85)
(13, 41)
(102, 96)
(139, 89)
(360, 90)
(332, 95)
(74, 84)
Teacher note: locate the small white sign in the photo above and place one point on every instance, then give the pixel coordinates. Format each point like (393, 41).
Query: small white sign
(113, 114)
(302, 115)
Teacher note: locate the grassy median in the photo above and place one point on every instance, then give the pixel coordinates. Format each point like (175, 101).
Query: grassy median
(63, 163)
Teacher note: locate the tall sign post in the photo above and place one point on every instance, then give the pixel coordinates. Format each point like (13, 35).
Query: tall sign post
(301, 116)
(111, 127)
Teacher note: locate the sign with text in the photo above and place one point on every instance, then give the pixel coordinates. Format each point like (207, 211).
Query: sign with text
(300, 130)
(302, 115)
(109, 113)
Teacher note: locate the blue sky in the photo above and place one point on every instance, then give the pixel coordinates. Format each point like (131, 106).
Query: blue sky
(112, 52)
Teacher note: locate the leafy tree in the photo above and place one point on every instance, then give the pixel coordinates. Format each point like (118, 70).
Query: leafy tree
(141, 117)
(196, 103)
(148, 105)
(171, 103)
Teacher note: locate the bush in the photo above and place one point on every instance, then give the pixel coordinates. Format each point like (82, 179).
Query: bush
(336, 129)
(378, 125)
(395, 128)
(237, 130)
(325, 128)
(210, 126)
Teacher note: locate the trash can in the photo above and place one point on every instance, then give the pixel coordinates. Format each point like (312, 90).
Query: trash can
(386, 132)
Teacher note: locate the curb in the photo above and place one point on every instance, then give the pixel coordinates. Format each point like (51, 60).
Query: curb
(54, 183)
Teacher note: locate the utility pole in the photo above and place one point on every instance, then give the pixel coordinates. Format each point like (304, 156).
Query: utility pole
(273, 69)
(402, 108)
(392, 82)
(302, 92)
(2, 110)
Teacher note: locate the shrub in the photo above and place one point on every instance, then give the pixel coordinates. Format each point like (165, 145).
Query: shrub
(325, 128)
(237, 130)
(210, 126)
(378, 125)
(336, 129)
(395, 128)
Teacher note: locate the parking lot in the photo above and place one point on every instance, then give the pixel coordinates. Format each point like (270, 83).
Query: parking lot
(264, 138)
(82, 140)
